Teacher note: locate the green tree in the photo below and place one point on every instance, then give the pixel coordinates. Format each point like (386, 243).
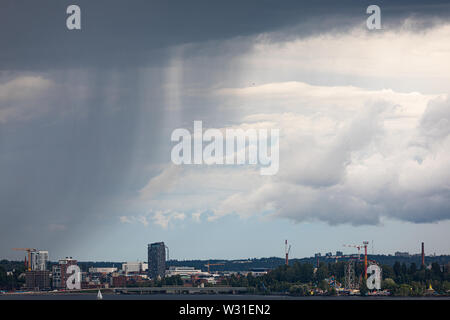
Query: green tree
(3, 278)
(324, 285)
(389, 284)
(332, 291)
(436, 271)
(322, 272)
(418, 289)
(306, 273)
(298, 290)
(446, 286)
(412, 269)
(397, 269)
(363, 290)
(404, 290)
(388, 271)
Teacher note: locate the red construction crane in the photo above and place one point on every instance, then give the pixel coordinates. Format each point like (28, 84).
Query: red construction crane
(364, 245)
(287, 250)
(354, 246)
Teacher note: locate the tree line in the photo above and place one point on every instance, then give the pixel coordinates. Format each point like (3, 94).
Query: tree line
(303, 279)
(14, 278)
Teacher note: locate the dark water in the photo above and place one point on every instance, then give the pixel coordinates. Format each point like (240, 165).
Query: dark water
(196, 297)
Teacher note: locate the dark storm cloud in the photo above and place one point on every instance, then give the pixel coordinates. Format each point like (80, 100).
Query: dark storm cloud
(33, 34)
(88, 146)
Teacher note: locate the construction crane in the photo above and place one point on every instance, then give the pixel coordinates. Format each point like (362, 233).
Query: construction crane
(213, 264)
(287, 250)
(29, 251)
(364, 245)
(354, 246)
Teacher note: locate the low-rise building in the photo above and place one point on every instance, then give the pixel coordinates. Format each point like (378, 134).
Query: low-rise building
(37, 280)
(102, 270)
(119, 281)
(402, 254)
(134, 267)
(182, 271)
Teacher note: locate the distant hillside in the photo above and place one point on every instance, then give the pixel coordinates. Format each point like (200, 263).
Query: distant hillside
(245, 265)
(273, 262)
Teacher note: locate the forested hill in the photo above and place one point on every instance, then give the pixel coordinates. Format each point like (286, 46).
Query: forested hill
(273, 262)
(250, 264)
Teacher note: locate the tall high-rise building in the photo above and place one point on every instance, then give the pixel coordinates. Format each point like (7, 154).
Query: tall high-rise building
(39, 260)
(156, 260)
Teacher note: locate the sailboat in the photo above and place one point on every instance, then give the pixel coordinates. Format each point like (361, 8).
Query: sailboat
(99, 295)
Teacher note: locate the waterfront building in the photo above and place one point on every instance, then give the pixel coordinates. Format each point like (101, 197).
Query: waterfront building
(134, 267)
(102, 270)
(59, 272)
(183, 271)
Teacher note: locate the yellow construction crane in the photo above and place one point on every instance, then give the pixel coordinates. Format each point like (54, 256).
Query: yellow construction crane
(29, 251)
(213, 264)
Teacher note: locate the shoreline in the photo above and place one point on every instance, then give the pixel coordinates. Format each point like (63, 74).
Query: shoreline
(132, 296)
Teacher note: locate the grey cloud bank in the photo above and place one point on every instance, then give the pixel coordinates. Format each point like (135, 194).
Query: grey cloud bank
(125, 33)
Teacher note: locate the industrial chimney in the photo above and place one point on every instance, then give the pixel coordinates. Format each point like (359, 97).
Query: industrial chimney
(423, 254)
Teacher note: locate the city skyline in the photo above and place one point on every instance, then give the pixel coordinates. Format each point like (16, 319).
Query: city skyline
(346, 250)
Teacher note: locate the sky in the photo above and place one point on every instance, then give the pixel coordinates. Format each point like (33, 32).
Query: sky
(86, 118)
